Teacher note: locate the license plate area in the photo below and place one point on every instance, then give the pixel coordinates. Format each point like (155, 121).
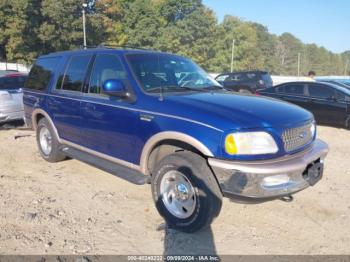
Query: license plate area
(314, 172)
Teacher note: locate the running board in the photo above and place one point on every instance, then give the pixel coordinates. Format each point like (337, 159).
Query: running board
(128, 174)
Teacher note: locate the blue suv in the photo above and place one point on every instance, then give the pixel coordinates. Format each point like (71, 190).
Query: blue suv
(153, 117)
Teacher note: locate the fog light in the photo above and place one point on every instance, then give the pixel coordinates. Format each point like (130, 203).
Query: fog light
(272, 181)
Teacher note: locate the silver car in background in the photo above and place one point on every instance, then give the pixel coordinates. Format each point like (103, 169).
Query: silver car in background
(11, 97)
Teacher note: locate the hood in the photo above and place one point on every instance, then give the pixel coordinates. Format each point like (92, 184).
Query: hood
(226, 110)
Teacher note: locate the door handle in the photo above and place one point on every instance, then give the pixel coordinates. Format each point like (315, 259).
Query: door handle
(147, 118)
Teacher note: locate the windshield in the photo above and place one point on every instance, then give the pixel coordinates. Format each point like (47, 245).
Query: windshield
(165, 72)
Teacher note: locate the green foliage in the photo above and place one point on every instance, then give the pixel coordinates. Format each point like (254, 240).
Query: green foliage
(29, 28)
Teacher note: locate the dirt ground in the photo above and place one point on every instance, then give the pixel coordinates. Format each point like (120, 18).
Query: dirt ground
(73, 208)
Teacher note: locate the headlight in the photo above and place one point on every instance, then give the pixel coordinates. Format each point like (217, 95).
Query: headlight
(250, 143)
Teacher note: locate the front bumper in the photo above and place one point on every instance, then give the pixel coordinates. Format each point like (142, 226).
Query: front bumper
(270, 179)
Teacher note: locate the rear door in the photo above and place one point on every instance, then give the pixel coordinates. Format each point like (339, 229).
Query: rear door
(64, 103)
(109, 122)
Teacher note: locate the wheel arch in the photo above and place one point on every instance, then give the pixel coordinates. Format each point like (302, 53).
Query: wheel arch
(168, 142)
(37, 115)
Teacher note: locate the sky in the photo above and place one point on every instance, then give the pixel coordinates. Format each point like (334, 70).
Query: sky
(323, 22)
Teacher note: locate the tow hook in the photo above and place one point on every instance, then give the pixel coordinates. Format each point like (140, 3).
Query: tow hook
(287, 199)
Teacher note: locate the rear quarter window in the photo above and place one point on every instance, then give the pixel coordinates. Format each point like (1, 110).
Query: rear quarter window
(41, 73)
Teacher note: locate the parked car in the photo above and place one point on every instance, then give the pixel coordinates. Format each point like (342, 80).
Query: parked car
(131, 113)
(330, 103)
(245, 81)
(6, 72)
(11, 96)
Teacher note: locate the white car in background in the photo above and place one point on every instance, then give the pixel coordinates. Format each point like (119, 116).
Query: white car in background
(11, 96)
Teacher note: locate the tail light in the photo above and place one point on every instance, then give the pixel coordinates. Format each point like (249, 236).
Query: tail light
(257, 93)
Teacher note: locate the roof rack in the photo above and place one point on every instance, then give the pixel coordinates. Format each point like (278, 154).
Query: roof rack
(104, 45)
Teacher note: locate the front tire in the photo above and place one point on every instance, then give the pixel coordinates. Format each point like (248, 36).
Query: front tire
(47, 142)
(186, 192)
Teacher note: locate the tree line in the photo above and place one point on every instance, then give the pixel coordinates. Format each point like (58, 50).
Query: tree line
(29, 28)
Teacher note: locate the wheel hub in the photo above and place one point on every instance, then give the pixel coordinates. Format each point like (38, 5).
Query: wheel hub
(181, 192)
(45, 140)
(178, 194)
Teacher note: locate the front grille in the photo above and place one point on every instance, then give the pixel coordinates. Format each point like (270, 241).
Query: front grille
(298, 137)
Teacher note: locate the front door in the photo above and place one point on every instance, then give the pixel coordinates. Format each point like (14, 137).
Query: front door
(108, 122)
(323, 102)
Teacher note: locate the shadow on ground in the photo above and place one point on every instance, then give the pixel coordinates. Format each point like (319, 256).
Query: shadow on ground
(18, 124)
(178, 243)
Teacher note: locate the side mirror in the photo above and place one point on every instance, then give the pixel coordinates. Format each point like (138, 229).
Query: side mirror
(114, 87)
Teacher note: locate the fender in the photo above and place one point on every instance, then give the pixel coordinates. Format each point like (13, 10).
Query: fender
(35, 124)
(170, 135)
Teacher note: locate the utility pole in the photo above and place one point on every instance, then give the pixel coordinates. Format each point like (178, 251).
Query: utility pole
(299, 64)
(346, 67)
(233, 53)
(84, 23)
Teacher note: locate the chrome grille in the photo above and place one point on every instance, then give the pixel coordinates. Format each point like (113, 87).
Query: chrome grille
(296, 138)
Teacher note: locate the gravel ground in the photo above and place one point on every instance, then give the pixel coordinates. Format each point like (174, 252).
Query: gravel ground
(73, 208)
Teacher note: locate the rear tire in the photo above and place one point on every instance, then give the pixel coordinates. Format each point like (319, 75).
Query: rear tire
(186, 192)
(47, 142)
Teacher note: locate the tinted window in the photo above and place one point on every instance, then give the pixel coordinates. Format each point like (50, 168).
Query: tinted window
(236, 77)
(105, 67)
(320, 91)
(294, 89)
(340, 96)
(12, 82)
(75, 73)
(279, 89)
(41, 73)
(251, 75)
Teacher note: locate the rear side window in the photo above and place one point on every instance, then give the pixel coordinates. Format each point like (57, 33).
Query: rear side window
(321, 91)
(106, 67)
(41, 73)
(12, 82)
(75, 73)
(236, 77)
(279, 89)
(294, 89)
(222, 78)
(251, 75)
